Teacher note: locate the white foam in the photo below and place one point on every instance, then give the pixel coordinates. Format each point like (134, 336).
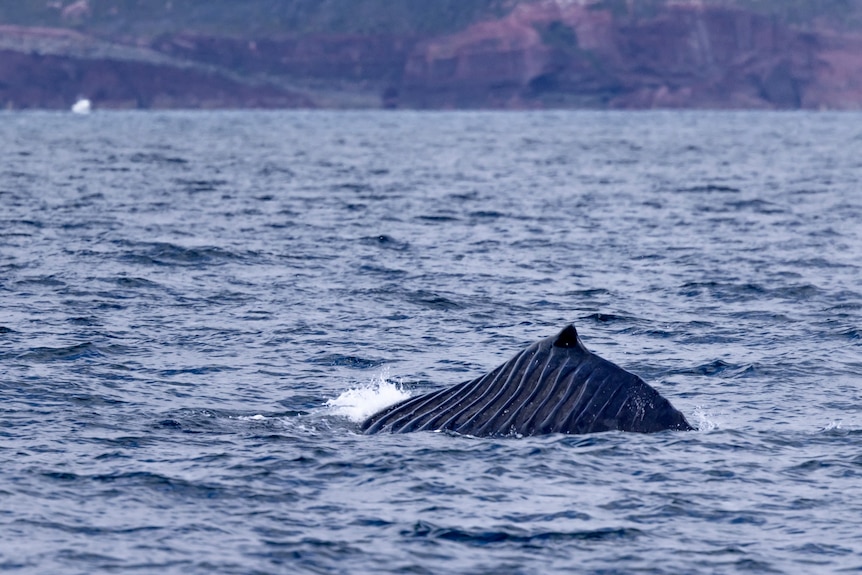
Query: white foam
(357, 404)
(833, 425)
(257, 417)
(706, 421)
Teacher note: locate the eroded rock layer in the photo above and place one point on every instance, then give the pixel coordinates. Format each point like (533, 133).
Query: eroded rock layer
(533, 54)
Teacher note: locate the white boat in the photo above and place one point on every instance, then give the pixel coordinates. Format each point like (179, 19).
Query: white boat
(82, 106)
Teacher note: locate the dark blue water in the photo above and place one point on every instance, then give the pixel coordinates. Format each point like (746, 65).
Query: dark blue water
(182, 293)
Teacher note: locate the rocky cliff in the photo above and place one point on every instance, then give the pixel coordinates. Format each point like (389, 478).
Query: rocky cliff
(516, 54)
(683, 55)
(51, 68)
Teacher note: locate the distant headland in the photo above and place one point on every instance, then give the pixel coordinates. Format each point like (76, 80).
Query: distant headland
(446, 54)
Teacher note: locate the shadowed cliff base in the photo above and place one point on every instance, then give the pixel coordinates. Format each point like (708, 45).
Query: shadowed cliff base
(406, 54)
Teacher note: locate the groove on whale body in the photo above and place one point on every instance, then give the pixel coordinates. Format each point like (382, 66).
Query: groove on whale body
(555, 385)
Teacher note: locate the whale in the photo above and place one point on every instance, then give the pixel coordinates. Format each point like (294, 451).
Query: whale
(555, 385)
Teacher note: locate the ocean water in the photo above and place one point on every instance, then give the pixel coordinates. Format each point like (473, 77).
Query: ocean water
(197, 309)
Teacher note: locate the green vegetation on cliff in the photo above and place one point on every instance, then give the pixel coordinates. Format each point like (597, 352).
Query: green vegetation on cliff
(799, 12)
(802, 12)
(229, 17)
(386, 17)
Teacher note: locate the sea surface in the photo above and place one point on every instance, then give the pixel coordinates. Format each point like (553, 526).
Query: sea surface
(197, 309)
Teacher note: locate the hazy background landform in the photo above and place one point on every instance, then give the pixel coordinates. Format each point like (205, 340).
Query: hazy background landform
(501, 54)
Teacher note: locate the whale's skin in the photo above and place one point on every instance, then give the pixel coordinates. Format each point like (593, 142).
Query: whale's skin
(555, 385)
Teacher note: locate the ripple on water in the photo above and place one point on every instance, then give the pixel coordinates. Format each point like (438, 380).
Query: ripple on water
(198, 310)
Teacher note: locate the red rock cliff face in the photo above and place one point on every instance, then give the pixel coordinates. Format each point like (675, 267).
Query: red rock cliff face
(549, 53)
(53, 82)
(321, 56)
(51, 68)
(685, 56)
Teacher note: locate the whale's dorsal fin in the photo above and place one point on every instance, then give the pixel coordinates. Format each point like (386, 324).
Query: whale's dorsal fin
(568, 337)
